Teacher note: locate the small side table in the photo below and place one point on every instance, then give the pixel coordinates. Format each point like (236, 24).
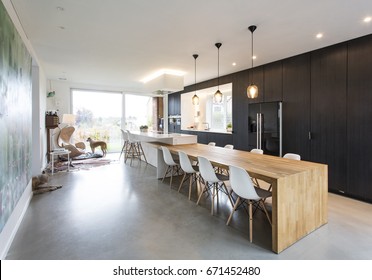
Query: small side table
(59, 153)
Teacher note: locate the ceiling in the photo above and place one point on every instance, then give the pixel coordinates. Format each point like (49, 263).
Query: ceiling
(116, 44)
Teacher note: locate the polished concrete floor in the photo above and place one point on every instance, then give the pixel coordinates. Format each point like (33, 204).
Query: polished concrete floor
(123, 212)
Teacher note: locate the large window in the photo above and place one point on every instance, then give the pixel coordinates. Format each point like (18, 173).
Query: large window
(138, 111)
(208, 114)
(98, 115)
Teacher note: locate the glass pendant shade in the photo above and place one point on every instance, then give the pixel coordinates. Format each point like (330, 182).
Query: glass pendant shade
(252, 91)
(195, 100)
(218, 96)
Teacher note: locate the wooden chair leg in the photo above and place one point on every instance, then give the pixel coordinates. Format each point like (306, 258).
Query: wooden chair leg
(250, 222)
(165, 173)
(213, 195)
(265, 210)
(183, 179)
(201, 193)
(232, 212)
(190, 186)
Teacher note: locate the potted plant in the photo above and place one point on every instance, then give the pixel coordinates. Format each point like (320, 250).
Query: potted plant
(144, 128)
(229, 127)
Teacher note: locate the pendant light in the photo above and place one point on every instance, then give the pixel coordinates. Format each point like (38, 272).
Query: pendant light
(218, 94)
(195, 98)
(252, 90)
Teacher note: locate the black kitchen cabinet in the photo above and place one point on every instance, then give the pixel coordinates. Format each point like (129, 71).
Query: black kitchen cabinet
(359, 118)
(296, 105)
(273, 82)
(328, 113)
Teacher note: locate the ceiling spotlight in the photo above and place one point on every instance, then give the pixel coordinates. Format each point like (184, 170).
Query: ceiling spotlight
(367, 19)
(319, 35)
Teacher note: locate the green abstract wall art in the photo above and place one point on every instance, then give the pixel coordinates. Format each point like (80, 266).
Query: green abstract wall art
(15, 116)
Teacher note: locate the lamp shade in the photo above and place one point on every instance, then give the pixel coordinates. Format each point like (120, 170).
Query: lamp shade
(252, 91)
(195, 100)
(68, 119)
(218, 96)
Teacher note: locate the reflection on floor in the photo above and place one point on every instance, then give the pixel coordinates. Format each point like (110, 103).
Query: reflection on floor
(122, 212)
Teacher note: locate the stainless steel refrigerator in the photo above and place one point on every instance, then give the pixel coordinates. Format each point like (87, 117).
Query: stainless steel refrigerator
(265, 127)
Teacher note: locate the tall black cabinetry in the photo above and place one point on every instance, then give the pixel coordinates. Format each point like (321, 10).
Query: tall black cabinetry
(174, 112)
(359, 118)
(328, 113)
(296, 109)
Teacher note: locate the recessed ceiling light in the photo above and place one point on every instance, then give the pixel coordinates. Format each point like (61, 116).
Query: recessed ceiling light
(254, 57)
(319, 35)
(161, 72)
(367, 19)
(234, 64)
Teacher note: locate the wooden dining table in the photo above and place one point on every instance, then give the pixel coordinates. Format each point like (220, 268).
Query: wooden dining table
(299, 188)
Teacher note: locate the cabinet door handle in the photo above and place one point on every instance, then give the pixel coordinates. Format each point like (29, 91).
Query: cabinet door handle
(310, 138)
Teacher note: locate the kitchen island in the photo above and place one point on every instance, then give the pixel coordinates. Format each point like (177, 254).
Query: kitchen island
(161, 138)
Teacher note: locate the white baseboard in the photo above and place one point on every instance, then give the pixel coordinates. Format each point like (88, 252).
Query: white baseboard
(12, 225)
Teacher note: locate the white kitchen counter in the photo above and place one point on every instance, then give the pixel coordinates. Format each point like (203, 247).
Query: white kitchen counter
(153, 154)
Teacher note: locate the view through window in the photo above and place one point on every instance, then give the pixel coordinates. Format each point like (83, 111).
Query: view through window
(98, 115)
(138, 112)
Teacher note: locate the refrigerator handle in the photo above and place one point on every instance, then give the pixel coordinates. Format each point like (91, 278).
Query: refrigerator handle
(257, 129)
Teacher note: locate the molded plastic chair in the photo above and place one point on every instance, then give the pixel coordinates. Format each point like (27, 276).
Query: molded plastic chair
(260, 152)
(292, 156)
(242, 185)
(212, 181)
(172, 166)
(257, 151)
(212, 143)
(229, 146)
(190, 172)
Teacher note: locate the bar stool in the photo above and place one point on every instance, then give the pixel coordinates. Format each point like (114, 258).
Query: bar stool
(135, 149)
(125, 144)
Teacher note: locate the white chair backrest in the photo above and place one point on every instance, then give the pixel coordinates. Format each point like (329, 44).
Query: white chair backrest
(229, 146)
(167, 156)
(292, 156)
(212, 144)
(130, 137)
(124, 134)
(185, 163)
(242, 183)
(257, 151)
(206, 170)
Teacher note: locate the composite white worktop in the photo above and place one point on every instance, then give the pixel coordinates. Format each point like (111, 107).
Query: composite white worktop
(166, 138)
(153, 154)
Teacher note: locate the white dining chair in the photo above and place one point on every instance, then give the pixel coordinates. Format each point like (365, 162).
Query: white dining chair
(257, 151)
(190, 171)
(173, 167)
(292, 156)
(229, 146)
(242, 185)
(212, 144)
(212, 182)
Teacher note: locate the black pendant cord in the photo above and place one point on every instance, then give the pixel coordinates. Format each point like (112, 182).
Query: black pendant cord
(218, 45)
(195, 57)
